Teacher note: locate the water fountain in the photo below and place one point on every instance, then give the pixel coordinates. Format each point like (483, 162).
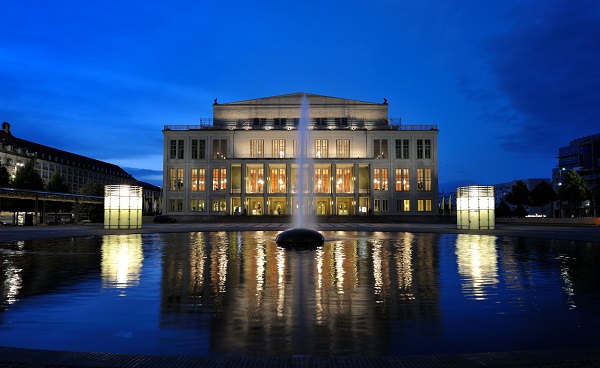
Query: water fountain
(300, 235)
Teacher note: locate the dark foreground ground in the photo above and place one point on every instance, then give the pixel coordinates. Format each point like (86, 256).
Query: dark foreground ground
(580, 357)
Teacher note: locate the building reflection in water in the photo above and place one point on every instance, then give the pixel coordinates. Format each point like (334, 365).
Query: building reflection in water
(252, 296)
(477, 261)
(122, 260)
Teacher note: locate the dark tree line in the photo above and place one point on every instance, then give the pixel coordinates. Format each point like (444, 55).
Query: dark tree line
(573, 193)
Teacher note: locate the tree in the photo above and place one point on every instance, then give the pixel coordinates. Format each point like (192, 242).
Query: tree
(542, 194)
(519, 196)
(95, 212)
(57, 184)
(26, 178)
(574, 191)
(4, 182)
(503, 209)
(4, 177)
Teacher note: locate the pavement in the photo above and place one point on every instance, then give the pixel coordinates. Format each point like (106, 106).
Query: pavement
(588, 356)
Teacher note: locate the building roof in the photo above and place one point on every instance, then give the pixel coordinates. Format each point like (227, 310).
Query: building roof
(47, 153)
(295, 99)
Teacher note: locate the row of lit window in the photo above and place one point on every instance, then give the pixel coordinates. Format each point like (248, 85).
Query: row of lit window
(220, 205)
(278, 149)
(277, 181)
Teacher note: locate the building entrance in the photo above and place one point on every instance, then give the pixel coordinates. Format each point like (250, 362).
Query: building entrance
(344, 206)
(255, 206)
(236, 206)
(277, 206)
(322, 206)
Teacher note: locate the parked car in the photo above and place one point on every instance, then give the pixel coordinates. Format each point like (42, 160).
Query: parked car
(162, 219)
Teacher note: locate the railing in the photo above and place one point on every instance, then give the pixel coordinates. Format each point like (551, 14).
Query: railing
(392, 124)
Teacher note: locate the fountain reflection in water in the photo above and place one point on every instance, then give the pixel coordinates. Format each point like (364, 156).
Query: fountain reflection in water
(300, 235)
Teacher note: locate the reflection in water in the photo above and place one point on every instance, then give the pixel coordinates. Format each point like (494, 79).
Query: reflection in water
(565, 273)
(477, 264)
(237, 292)
(266, 298)
(121, 260)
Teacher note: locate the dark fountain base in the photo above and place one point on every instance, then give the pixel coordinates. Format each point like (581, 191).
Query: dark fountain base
(300, 238)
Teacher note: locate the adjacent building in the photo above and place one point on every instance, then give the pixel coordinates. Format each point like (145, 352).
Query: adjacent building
(76, 170)
(583, 156)
(245, 161)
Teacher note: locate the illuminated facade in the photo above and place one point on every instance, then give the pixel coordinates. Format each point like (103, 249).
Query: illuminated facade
(243, 161)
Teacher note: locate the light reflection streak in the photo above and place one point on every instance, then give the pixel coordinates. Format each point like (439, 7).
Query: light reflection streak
(218, 263)
(13, 282)
(197, 260)
(260, 271)
(404, 266)
(477, 264)
(377, 270)
(339, 266)
(280, 257)
(565, 273)
(122, 259)
(319, 286)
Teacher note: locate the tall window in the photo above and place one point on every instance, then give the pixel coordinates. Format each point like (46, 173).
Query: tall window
(424, 179)
(342, 148)
(403, 149)
(380, 205)
(257, 148)
(173, 149)
(219, 178)
(219, 205)
(402, 180)
(380, 148)
(403, 205)
(424, 149)
(219, 149)
(278, 148)
(321, 184)
(194, 155)
(380, 179)
(299, 151)
(424, 205)
(176, 149)
(321, 148)
(278, 179)
(176, 179)
(175, 205)
(198, 149)
(256, 180)
(343, 180)
(198, 180)
(197, 205)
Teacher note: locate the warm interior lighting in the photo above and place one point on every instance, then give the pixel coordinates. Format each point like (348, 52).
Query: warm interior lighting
(475, 207)
(122, 207)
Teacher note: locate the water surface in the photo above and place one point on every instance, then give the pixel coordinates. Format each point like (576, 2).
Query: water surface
(373, 293)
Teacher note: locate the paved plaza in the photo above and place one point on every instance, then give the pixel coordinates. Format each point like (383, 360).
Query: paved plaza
(577, 357)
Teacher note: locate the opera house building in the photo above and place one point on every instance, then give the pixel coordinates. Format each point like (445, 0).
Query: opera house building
(245, 161)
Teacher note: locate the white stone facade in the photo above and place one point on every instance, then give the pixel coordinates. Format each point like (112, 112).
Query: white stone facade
(245, 161)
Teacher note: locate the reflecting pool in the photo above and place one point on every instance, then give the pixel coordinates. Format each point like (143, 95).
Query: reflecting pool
(372, 293)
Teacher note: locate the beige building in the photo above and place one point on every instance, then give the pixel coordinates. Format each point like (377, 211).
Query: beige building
(244, 161)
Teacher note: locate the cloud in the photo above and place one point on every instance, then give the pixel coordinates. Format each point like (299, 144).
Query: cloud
(546, 68)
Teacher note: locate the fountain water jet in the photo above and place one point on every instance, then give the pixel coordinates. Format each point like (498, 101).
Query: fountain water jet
(300, 235)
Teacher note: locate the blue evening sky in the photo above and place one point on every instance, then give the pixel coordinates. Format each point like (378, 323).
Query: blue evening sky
(507, 82)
